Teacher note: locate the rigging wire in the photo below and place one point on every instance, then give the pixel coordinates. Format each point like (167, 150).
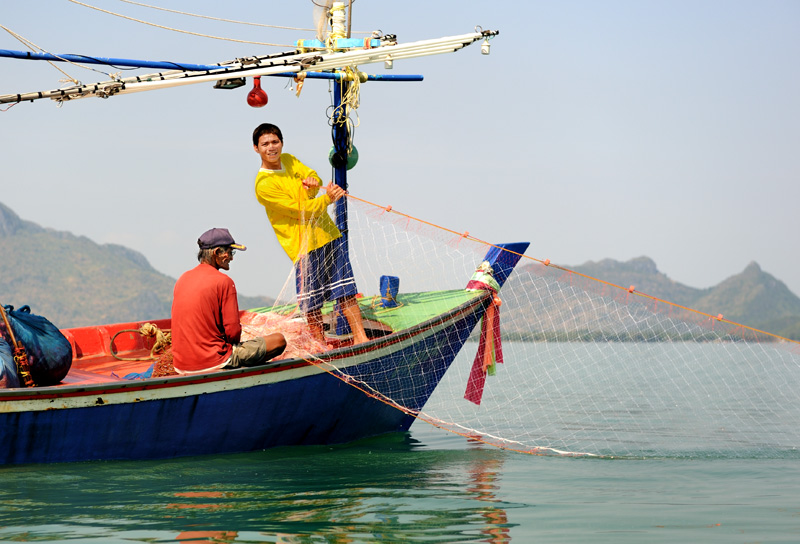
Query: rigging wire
(35, 48)
(218, 18)
(177, 29)
(69, 79)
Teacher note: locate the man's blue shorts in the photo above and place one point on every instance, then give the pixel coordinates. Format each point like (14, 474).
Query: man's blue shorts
(323, 274)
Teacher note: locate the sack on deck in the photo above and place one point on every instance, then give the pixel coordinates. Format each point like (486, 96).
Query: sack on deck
(8, 370)
(49, 351)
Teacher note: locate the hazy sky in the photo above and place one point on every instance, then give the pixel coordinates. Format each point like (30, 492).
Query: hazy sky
(596, 129)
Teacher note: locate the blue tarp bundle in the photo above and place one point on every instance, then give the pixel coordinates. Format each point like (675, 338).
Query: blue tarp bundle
(8, 370)
(49, 351)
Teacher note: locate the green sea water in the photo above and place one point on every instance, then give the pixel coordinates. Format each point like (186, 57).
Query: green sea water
(425, 486)
(432, 486)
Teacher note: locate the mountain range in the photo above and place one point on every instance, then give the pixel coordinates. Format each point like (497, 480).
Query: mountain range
(75, 282)
(752, 297)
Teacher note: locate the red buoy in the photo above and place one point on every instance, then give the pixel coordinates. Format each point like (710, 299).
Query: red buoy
(257, 98)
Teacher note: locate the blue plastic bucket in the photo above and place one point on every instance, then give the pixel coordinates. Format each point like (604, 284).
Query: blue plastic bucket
(390, 285)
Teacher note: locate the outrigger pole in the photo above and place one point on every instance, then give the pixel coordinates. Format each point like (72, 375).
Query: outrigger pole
(183, 66)
(307, 59)
(84, 59)
(337, 58)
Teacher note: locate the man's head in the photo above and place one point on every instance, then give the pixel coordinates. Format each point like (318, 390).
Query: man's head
(217, 248)
(268, 143)
(266, 128)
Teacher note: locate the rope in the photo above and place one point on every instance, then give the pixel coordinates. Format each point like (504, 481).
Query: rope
(468, 433)
(177, 29)
(33, 47)
(350, 101)
(148, 330)
(377, 302)
(20, 355)
(219, 18)
(546, 262)
(279, 27)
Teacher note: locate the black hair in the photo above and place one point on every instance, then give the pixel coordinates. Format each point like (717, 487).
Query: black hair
(266, 128)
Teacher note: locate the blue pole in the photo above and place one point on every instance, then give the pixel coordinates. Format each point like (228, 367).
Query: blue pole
(340, 135)
(109, 61)
(167, 65)
(370, 77)
(340, 144)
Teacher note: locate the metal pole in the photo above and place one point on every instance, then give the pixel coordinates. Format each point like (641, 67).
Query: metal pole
(349, 15)
(341, 139)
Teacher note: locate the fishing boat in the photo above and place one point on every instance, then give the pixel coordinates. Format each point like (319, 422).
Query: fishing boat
(332, 397)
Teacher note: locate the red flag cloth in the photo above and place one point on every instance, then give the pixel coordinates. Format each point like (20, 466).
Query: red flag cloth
(490, 349)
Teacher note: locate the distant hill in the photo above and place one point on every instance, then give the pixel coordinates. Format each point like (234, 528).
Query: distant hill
(752, 297)
(75, 282)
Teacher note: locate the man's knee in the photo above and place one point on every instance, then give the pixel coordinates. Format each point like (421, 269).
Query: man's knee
(276, 344)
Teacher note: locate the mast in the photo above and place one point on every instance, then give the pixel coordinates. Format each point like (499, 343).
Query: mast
(340, 133)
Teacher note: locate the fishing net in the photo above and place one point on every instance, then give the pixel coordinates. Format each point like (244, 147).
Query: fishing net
(588, 368)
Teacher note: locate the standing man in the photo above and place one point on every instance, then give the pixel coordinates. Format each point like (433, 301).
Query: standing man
(288, 190)
(206, 330)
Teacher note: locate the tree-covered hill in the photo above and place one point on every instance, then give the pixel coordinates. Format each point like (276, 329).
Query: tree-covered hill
(75, 282)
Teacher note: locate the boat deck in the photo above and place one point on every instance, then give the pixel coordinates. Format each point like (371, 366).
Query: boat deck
(102, 353)
(93, 354)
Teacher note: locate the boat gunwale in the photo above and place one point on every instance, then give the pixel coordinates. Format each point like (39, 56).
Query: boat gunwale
(167, 382)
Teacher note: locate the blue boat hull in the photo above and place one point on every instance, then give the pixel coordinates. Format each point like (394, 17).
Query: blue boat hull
(290, 403)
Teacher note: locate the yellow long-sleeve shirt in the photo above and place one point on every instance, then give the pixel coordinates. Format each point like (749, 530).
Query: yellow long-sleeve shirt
(298, 216)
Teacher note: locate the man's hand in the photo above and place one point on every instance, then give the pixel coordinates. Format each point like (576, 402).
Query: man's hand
(311, 182)
(334, 191)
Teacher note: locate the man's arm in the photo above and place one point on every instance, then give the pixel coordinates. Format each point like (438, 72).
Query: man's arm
(230, 313)
(278, 199)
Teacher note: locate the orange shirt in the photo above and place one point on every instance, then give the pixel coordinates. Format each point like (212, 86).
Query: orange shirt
(205, 319)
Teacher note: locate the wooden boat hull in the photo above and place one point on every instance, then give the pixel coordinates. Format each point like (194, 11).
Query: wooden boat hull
(292, 402)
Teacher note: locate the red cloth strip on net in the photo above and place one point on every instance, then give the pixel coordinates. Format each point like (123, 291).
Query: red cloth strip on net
(490, 349)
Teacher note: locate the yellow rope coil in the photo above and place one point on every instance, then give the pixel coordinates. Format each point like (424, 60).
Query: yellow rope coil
(163, 340)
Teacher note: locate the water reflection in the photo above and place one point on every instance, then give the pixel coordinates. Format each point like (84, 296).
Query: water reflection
(390, 489)
(485, 474)
(207, 536)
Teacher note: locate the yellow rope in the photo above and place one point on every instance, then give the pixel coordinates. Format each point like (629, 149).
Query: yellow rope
(377, 304)
(148, 330)
(163, 339)
(350, 101)
(333, 36)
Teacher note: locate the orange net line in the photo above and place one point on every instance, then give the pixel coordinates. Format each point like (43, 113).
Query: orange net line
(546, 262)
(590, 368)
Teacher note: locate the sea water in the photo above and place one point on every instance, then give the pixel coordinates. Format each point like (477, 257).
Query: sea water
(423, 486)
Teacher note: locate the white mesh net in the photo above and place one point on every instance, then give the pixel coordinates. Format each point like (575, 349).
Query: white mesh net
(589, 368)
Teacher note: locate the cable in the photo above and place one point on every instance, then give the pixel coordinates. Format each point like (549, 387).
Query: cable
(177, 29)
(218, 18)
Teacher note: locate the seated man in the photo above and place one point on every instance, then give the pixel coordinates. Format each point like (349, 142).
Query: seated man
(206, 330)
